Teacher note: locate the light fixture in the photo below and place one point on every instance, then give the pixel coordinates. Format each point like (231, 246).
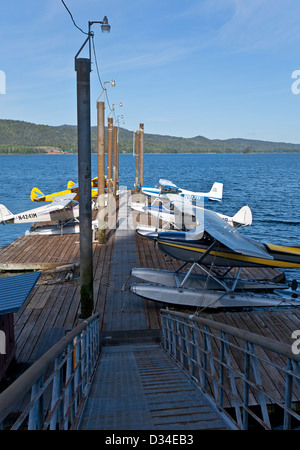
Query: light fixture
(112, 83)
(105, 27)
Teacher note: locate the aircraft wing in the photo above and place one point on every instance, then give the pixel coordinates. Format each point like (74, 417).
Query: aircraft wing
(220, 230)
(164, 182)
(168, 186)
(63, 200)
(228, 235)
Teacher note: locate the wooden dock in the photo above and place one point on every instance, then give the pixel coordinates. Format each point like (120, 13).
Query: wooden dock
(54, 306)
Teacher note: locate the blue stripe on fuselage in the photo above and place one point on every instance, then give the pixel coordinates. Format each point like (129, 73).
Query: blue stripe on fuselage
(194, 197)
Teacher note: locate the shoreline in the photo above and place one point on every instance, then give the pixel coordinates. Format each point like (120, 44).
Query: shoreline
(163, 153)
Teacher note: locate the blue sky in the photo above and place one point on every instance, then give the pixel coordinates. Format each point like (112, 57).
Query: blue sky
(216, 68)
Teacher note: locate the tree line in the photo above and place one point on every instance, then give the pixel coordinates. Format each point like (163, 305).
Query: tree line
(24, 137)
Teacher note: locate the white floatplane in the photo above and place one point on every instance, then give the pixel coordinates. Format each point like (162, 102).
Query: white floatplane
(166, 186)
(62, 209)
(168, 213)
(214, 243)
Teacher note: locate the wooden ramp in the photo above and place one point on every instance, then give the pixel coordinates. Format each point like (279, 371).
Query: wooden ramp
(139, 387)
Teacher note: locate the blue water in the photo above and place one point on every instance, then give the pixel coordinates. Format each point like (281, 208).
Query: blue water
(268, 183)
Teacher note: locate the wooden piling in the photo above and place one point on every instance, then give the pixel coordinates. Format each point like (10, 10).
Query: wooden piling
(141, 147)
(115, 150)
(101, 172)
(137, 151)
(109, 165)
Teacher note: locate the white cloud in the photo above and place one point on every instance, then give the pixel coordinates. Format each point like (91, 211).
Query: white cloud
(259, 25)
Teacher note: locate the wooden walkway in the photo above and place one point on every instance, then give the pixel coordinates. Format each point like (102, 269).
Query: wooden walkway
(138, 386)
(54, 306)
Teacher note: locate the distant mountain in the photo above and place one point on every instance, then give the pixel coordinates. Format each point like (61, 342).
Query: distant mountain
(24, 137)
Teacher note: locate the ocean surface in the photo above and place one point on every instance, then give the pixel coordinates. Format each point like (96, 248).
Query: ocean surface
(268, 183)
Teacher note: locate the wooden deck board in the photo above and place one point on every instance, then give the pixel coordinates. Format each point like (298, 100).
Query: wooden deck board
(34, 252)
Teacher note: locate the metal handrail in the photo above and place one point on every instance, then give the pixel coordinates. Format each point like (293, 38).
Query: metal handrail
(212, 353)
(58, 381)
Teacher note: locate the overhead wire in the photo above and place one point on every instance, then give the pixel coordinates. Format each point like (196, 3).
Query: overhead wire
(84, 32)
(98, 75)
(95, 56)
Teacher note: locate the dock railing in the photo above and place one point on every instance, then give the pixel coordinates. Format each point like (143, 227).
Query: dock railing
(253, 380)
(51, 393)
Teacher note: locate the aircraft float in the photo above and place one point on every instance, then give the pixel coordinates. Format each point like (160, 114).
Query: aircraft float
(215, 243)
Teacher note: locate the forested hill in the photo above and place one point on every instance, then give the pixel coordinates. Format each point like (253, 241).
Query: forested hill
(25, 137)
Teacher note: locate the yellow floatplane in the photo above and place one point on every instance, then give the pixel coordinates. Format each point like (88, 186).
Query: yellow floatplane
(37, 195)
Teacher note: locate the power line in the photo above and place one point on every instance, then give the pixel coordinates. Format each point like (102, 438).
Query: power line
(94, 51)
(84, 32)
(98, 73)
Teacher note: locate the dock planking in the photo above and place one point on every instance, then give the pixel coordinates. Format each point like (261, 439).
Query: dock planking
(54, 306)
(36, 252)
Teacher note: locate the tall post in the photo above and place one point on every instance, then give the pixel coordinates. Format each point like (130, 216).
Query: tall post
(109, 164)
(137, 151)
(83, 69)
(101, 172)
(115, 161)
(141, 154)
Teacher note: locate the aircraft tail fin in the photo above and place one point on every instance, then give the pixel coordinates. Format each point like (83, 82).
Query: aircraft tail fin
(36, 194)
(70, 184)
(216, 192)
(243, 217)
(5, 214)
(94, 182)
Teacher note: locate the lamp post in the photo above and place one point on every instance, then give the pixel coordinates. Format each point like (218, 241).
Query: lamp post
(113, 107)
(83, 69)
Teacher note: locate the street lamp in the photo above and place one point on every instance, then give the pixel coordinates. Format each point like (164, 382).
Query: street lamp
(113, 107)
(118, 119)
(105, 28)
(112, 83)
(83, 69)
